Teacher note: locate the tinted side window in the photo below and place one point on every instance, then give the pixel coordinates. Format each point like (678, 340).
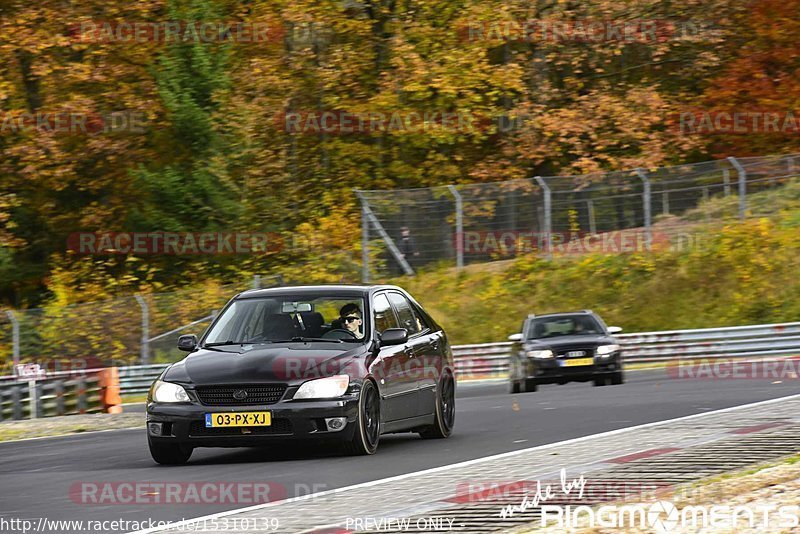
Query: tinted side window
(405, 313)
(384, 316)
(424, 323)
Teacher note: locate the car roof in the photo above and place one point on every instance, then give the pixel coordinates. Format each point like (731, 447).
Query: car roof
(339, 289)
(562, 314)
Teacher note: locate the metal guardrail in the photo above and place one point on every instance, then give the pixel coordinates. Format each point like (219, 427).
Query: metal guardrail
(136, 379)
(50, 397)
(487, 360)
(483, 360)
(755, 341)
(491, 359)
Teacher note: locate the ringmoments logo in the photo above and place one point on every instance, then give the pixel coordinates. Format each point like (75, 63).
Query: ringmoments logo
(664, 517)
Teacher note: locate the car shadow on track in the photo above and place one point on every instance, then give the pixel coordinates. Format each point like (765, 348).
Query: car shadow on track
(293, 452)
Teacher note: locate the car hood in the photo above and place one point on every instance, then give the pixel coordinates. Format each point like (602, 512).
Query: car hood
(566, 342)
(261, 364)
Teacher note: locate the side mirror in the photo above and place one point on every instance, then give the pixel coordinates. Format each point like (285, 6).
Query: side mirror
(515, 337)
(394, 336)
(614, 330)
(187, 343)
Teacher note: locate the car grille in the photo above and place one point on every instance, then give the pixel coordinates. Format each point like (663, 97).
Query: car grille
(233, 395)
(278, 426)
(588, 352)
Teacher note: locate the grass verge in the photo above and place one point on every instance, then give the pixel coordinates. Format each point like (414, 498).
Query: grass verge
(68, 424)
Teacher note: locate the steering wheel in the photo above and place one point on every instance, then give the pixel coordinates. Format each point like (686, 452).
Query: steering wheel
(338, 331)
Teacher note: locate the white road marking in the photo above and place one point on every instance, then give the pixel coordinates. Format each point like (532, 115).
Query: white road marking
(182, 524)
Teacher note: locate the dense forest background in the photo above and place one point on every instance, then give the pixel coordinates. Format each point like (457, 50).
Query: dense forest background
(212, 155)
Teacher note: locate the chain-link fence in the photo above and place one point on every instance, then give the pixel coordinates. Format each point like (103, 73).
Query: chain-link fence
(637, 210)
(137, 329)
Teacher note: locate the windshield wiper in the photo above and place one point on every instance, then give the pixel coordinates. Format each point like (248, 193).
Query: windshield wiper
(222, 343)
(305, 339)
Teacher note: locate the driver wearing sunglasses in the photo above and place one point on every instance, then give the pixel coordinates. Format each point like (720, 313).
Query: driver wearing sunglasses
(350, 316)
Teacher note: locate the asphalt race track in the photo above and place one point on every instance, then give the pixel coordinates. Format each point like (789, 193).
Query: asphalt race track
(36, 475)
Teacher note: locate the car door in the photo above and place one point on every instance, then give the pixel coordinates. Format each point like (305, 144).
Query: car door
(423, 353)
(432, 349)
(392, 366)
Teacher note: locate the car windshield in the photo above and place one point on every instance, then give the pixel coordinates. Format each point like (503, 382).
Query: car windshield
(572, 325)
(290, 318)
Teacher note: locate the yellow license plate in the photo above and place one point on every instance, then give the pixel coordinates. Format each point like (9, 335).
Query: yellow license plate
(219, 420)
(578, 362)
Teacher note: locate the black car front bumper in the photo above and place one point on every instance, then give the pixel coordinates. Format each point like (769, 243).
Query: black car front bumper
(553, 370)
(184, 423)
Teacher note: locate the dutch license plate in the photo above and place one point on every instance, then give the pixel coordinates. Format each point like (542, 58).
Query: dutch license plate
(219, 420)
(577, 362)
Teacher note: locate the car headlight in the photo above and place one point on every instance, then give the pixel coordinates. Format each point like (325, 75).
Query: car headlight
(540, 354)
(168, 392)
(607, 350)
(324, 388)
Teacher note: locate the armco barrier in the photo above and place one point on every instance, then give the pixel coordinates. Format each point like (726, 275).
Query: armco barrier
(50, 397)
(136, 379)
(486, 360)
(731, 342)
(757, 341)
(490, 360)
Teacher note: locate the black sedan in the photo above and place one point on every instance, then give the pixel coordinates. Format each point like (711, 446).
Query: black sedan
(338, 364)
(564, 347)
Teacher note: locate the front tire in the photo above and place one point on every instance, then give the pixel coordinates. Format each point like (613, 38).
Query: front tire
(445, 415)
(169, 453)
(367, 433)
(617, 378)
(531, 385)
(600, 381)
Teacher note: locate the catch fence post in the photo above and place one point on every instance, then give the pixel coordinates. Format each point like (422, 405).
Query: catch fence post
(548, 216)
(14, 338)
(646, 204)
(459, 226)
(33, 399)
(144, 352)
(364, 243)
(742, 187)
